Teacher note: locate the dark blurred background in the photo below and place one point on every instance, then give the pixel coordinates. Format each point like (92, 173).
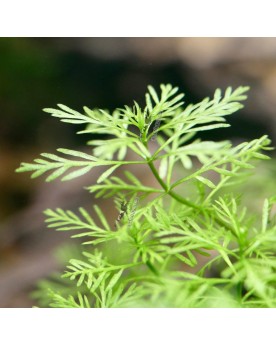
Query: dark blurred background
(107, 73)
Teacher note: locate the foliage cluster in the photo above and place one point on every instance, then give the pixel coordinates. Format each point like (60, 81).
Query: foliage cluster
(156, 260)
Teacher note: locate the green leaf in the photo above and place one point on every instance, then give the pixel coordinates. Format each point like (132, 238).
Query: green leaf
(115, 278)
(265, 216)
(206, 181)
(153, 94)
(78, 154)
(163, 168)
(57, 173)
(77, 173)
(107, 173)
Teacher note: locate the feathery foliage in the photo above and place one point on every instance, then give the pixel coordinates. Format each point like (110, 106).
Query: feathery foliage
(168, 248)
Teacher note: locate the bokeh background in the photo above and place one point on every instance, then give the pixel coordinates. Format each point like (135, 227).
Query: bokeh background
(107, 73)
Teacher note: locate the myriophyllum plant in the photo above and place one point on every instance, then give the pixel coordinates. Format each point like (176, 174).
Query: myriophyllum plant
(152, 255)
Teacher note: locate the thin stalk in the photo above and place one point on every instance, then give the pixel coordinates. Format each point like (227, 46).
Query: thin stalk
(185, 201)
(152, 268)
(169, 192)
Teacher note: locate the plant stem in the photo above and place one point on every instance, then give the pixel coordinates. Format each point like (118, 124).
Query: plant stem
(167, 189)
(152, 268)
(239, 291)
(185, 201)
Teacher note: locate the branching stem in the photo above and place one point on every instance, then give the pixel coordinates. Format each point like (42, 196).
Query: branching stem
(182, 200)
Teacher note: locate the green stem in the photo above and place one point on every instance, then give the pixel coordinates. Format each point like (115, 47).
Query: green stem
(157, 176)
(169, 192)
(239, 291)
(185, 201)
(152, 268)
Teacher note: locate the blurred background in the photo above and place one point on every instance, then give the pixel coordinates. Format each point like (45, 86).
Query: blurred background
(107, 73)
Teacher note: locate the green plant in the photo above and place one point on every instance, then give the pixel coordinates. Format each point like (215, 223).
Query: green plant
(152, 256)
